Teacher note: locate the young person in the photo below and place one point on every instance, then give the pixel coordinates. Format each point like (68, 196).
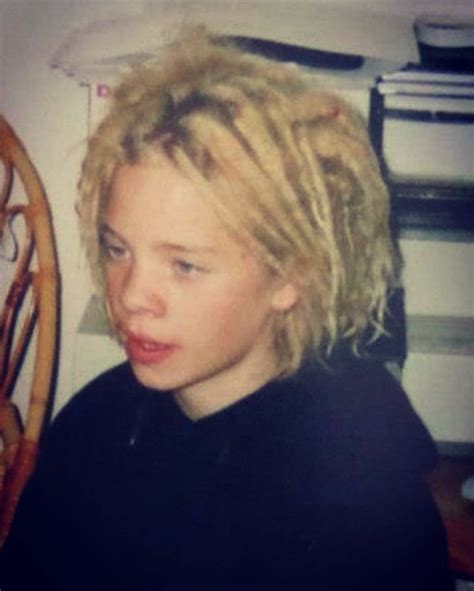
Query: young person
(237, 226)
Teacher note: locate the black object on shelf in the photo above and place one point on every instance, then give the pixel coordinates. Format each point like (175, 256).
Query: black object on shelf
(445, 42)
(425, 206)
(303, 56)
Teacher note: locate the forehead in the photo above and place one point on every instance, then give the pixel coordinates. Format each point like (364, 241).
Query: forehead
(155, 201)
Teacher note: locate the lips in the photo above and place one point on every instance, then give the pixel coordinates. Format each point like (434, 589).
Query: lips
(146, 351)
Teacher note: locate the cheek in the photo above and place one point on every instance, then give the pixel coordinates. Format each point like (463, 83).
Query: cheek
(227, 329)
(231, 313)
(112, 286)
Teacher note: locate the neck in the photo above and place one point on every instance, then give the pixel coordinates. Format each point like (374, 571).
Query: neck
(208, 397)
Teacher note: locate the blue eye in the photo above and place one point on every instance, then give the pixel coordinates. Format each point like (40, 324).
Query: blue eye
(115, 252)
(184, 267)
(111, 250)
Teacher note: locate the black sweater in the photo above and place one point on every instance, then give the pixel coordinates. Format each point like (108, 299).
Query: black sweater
(313, 482)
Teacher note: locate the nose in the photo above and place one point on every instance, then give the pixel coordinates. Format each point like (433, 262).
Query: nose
(140, 292)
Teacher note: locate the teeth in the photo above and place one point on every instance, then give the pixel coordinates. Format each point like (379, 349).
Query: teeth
(149, 346)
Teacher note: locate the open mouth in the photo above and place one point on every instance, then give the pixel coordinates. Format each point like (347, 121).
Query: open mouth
(151, 346)
(146, 351)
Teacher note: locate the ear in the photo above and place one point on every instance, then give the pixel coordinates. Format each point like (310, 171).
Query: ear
(285, 296)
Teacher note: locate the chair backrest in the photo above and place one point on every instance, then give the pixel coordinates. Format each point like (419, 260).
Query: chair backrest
(28, 319)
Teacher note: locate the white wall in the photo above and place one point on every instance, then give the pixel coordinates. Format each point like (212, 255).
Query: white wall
(2, 51)
(439, 282)
(439, 277)
(49, 112)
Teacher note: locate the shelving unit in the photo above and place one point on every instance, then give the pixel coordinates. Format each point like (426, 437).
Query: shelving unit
(427, 210)
(440, 335)
(439, 211)
(434, 206)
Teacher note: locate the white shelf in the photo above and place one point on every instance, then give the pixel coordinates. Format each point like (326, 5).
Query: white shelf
(442, 335)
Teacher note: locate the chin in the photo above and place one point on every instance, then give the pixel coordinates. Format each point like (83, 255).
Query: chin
(148, 377)
(157, 378)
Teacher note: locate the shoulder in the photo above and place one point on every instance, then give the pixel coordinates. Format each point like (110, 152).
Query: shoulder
(105, 390)
(356, 413)
(101, 408)
(370, 454)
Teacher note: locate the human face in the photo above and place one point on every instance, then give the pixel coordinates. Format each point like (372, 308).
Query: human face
(192, 306)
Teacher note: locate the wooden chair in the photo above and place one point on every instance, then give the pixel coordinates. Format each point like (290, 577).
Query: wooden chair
(28, 319)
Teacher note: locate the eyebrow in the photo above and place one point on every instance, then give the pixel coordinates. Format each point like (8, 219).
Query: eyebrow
(188, 248)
